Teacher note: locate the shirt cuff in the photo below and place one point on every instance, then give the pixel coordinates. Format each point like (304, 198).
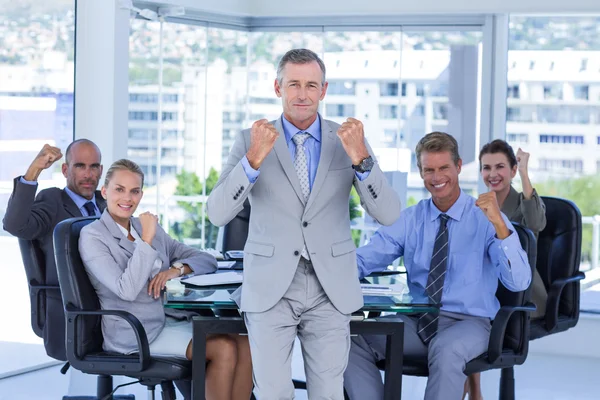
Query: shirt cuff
(362, 175)
(510, 246)
(32, 183)
(251, 173)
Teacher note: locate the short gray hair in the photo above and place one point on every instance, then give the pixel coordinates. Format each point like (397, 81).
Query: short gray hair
(299, 56)
(437, 142)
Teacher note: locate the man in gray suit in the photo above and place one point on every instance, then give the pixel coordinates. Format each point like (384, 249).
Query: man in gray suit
(300, 275)
(34, 217)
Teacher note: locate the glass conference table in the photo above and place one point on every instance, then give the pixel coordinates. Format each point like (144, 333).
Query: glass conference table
(219, 314)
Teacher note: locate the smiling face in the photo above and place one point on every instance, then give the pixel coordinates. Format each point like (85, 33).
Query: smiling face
(440, 176)
(300, 90)
(123, 194)
(496, 172)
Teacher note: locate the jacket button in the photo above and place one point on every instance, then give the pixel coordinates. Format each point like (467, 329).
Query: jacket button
(369, 186)
(296, 253)
(242, 188)
(305, 224)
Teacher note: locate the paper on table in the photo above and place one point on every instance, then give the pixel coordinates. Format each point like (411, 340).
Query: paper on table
(382, 290)
(224, 278)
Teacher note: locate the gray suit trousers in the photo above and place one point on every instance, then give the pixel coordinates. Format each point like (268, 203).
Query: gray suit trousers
(324, 332)
(460, 338)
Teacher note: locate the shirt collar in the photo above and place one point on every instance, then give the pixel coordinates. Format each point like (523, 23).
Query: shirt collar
(455, 212)
(126, 233)
(290, 130)
(80, 200)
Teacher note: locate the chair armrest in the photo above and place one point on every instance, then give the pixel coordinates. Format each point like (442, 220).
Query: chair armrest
(556, 289)
(36, 286)
(138, 330)
(499, 328)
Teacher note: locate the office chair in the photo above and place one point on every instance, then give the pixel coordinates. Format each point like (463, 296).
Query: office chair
(509, 337)
(235, 232)
(559, 256)
(47, 311)
(84, 333)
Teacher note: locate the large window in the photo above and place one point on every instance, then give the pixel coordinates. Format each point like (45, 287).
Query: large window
(554, 63)
(36, 107)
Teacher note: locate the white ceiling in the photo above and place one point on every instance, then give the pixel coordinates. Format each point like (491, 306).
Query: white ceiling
(304, 8)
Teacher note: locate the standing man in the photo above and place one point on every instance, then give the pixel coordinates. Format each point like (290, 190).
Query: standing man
(32, 217)
(455, 249)
(300, 274)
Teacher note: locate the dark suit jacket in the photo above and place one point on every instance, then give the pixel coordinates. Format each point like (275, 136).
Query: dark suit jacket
(32, 217)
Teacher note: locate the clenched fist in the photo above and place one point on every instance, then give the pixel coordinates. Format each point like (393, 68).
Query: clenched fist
(488, 203)
(149, 223)
(262, 139)
(523, 160)
(352, 135)
(44, 160)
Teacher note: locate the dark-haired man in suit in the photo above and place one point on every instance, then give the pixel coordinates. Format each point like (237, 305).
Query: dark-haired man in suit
(32, 217)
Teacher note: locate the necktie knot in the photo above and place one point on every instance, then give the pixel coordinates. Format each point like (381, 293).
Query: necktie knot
(300, 138)
(444, 219)
(90, 208)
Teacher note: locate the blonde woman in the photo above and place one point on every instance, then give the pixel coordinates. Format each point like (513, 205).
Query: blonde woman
(129, 260)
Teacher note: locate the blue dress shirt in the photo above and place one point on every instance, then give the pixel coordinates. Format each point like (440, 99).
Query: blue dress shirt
(312, 147)
(476, 257)
(77, 199)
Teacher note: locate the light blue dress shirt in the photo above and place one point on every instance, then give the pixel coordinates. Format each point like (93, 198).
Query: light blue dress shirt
(77, 199)
(476, 257)
(312, 148)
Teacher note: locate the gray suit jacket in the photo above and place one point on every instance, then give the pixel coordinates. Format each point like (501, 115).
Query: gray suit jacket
(120, 272)
(281, 222)
(32, 217)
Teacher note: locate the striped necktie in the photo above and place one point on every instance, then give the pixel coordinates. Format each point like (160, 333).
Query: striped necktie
(428, 323)
(301, 167)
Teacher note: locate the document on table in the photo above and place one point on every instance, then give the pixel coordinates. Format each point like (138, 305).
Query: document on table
(225, 264)
(225, 278)
(382, 290)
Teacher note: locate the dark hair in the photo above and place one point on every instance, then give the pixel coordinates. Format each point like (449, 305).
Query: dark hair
(123, 165)
(436, 142)
(79, 141)
(499, 146)
(299, 56)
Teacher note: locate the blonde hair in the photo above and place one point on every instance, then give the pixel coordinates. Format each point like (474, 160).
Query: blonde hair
(437, 142)
(123, 165)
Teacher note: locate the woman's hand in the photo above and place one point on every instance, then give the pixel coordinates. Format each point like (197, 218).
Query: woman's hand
(149, 222)
(160, 280)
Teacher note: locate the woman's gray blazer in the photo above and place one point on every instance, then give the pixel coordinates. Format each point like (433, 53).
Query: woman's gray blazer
(120, 271)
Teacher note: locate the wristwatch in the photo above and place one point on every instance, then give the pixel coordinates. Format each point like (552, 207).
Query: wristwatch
(365, 165)
(178, 265)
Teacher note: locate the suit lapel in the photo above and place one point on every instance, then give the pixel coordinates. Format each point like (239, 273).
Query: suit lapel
(112, 227)
(100, 202)
(328, 142)
(283, 154)
(70, 206)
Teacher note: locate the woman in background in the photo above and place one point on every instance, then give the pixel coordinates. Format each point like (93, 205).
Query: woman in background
(498, 166)
(129, 260)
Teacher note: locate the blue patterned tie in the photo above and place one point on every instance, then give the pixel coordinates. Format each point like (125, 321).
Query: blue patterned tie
(301, 167)
(428, 323)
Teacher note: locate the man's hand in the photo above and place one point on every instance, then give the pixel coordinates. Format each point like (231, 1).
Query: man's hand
(149, 223)
(352, 135)
(488, 203)
(44, 160)
(160, 280)
(262, 139)
(523, 160)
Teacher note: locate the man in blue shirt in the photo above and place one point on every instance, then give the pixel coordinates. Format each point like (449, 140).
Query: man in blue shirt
(455, 249)
(32, 217)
